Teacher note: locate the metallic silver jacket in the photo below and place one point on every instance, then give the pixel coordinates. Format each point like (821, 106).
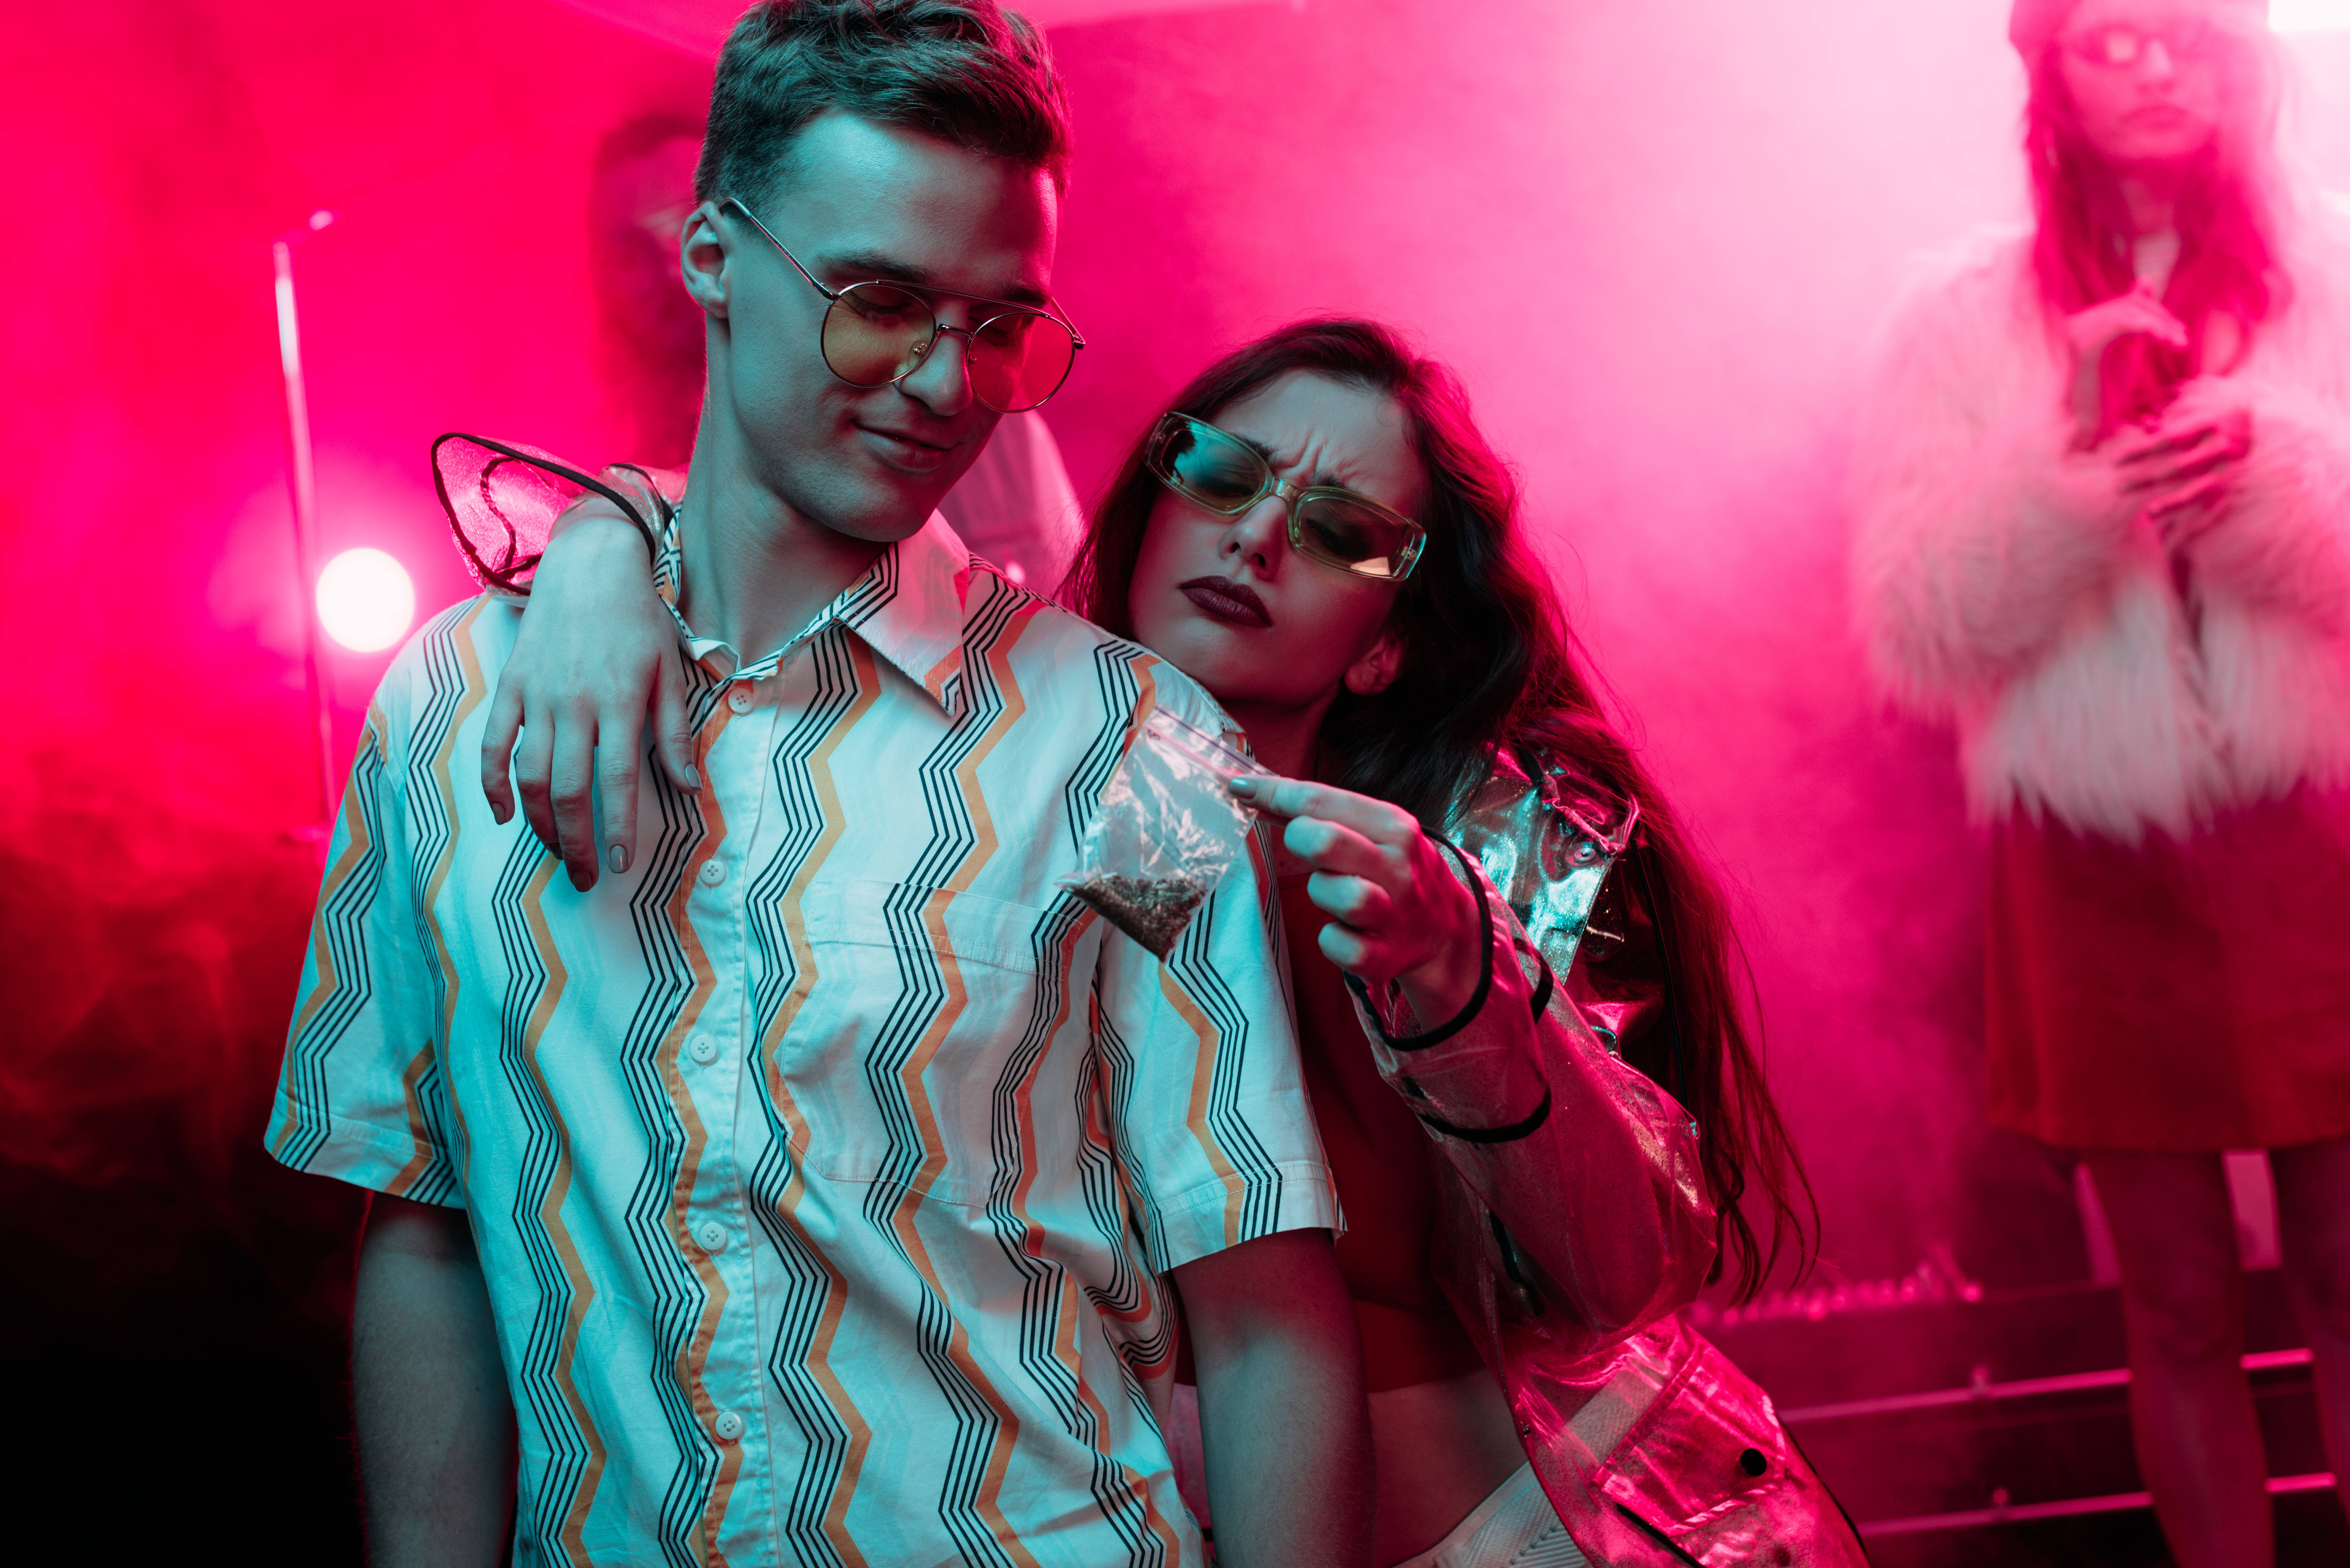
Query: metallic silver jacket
(1573, 1222)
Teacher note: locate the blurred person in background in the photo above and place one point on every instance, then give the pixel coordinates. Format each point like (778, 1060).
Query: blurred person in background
(2104, 502)
(649, 329)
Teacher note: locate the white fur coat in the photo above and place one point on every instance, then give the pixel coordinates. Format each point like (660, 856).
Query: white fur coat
(2000, 579)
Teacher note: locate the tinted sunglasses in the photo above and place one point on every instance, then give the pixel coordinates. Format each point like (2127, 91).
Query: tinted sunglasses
(2122, 46)
(1221, 473)
(880, 332)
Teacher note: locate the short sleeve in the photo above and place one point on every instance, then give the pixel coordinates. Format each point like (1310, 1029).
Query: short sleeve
(1201, 1086)
(361, 1096)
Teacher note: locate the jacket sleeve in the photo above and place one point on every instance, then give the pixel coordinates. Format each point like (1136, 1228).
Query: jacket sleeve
(1981, 533)
(1590, 1170)
(2283, 545)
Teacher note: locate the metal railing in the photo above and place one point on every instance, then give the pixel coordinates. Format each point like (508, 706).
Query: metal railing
(1984, 1390)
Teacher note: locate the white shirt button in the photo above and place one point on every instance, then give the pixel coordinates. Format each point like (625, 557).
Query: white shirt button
(711, 1235)
(729, 1425)
(740, 699)
(714, 872)
(703, 1048)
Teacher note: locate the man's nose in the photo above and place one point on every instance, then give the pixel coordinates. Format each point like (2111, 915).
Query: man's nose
(941, 382)
(2156, 64)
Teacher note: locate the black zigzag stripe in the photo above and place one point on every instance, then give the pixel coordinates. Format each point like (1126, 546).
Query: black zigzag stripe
(341, 930)
(954, 838)
(675, 1292)
(431, 832)
(538, 1373)
(1193, 968)
(815, 1474)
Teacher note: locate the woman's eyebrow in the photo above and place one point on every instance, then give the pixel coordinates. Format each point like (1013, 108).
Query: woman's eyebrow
(1323, 480)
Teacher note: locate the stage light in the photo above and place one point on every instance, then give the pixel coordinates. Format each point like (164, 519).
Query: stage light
(2310, 15)
(365, 600)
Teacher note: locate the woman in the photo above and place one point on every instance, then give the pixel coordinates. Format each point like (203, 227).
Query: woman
(2105, 507)
(1317, 533)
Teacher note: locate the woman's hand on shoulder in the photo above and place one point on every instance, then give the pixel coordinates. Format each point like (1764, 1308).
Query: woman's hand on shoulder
(1400, 912)
(596, 651)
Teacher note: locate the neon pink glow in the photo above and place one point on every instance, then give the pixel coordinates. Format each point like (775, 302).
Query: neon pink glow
(366, 600)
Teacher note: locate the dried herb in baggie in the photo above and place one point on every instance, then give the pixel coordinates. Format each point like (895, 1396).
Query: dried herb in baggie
(1166, 830)
(1153, 910)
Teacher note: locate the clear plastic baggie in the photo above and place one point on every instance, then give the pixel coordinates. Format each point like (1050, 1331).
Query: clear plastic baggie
(1167, 832)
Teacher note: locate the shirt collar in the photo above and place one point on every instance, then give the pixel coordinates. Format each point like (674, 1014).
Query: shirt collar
(911, 609)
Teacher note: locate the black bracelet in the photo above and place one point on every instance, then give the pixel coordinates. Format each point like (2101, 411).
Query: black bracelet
(502, 575)
(1510, 1133)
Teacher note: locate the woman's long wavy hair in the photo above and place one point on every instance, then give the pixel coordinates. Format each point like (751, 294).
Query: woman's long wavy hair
(1489, 662)
(2230, 205)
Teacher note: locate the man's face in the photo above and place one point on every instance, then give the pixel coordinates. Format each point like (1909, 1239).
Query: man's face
(865, 201)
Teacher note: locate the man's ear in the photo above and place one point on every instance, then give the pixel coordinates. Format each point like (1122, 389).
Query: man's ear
(705, 258)
(1375, 671)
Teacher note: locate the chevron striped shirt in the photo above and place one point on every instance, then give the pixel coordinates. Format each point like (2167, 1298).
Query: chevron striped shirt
(825, 1167)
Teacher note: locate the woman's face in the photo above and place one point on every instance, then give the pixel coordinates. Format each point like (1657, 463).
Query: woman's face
(1226, 600)
(2144, 77)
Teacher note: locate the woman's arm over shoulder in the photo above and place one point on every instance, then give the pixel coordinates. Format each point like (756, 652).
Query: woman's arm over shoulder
(596, 663)
(1979, 529)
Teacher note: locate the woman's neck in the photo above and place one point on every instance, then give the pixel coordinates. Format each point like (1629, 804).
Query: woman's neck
(1283, 738)
(2150, 198)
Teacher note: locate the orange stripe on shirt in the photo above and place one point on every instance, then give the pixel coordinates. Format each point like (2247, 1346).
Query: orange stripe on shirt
(470, 695)
(818, 1364)
(693, 1355)
(356, 842)
(410, 1083)
(906, 1213)
(1204, 1082)
(550, 1214)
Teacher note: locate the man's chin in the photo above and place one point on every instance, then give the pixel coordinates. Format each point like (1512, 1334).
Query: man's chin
(880, 513)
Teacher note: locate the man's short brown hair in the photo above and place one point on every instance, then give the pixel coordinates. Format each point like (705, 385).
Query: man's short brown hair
(966, 71)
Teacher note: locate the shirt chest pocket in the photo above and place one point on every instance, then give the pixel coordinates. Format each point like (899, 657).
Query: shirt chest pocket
(919, 1004)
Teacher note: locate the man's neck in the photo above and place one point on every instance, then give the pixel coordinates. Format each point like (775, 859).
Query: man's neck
(755, 571)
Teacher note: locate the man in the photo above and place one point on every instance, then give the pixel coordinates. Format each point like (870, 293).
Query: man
(807, 1191)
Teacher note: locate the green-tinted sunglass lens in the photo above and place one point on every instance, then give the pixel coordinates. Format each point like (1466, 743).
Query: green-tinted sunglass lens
(1349, 534)
(1212, 466)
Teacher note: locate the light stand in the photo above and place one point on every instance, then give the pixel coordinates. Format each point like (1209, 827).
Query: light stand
(302, 479)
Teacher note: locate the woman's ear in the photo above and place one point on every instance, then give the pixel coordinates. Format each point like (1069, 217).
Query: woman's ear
(704, 259)
(1375, 671)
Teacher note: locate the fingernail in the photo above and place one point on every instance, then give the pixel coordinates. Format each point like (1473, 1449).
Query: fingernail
(1241, 784)
(692, 776)
(579, 879)
(618, 858)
